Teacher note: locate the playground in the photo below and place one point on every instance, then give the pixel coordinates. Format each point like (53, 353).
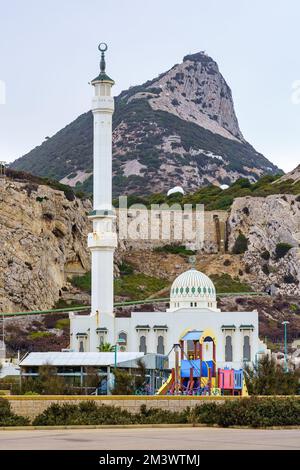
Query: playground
(196, 371)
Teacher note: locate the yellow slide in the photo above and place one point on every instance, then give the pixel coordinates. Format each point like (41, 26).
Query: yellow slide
(165, 386)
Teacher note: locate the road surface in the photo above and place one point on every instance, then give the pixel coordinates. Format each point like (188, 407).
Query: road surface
(151, 439)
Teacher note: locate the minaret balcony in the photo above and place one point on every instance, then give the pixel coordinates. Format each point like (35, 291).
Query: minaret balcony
(102, 240)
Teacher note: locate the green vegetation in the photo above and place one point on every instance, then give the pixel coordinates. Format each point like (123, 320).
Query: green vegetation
(105, 347)
(138, 286)
(215, 198)
(240, 244)
(224, 283)
(47, 382)
(126, 268)
(8, 418)
(282, 249)
(62, 324)
(269, 378)
(254, 412)
(39, 334)
(34, 181)
(174, 249)
(82, 282)
(265, 255)
(129, 383)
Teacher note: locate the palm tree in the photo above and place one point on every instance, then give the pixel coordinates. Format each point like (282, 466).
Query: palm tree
(105, 347)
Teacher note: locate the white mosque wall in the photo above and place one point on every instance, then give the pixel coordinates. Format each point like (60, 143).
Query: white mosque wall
(177, 323)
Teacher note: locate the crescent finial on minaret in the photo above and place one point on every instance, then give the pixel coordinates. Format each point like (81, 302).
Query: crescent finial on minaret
(102, 48)
(102, 77)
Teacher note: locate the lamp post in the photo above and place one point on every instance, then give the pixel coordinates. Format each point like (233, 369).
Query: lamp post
(285, 323)
(119, 342)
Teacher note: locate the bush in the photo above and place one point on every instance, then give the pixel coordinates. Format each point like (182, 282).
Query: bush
(84, 413)
(8, 418)
(282, 249)
(254, 412)
(175, 250)
(268, 378)
(240, 245)
(265, 255)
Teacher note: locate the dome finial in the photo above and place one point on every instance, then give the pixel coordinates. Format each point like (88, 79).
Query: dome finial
(192, 261)
(102, 48)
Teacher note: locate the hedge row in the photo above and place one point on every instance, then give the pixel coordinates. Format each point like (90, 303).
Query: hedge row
(254, 412)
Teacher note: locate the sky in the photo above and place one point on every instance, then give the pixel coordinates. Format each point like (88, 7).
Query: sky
(48, 54)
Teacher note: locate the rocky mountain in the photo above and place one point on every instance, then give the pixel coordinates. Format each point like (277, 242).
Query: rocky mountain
(44, 241)
(293, 175)
(177, 129)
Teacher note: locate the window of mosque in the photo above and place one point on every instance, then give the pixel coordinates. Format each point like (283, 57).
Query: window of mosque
(204, 290)
(193, 290)
(160, 345)
(181, 290)
(209, 290)
(143, 344)
(228, 348)
(199, 290)
(247, 349)
(187, 290)
(123, 340)
(101, 340)
(177, 290)
(81, 347)
(191, 304)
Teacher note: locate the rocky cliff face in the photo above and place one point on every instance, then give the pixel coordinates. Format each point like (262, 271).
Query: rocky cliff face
(43, 238)
(177, 129)
(267, 222)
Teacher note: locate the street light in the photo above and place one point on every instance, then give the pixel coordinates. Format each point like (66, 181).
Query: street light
(119, 342)
(285, 323)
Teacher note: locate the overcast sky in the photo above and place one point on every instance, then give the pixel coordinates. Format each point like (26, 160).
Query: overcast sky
(48, 54)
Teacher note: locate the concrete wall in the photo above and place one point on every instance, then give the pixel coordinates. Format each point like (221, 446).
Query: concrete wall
(31, 406)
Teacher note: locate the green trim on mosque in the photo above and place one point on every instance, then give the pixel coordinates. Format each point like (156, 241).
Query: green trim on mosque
(143, 327)
(228, 327)
(160, 327)
(246, 327)
(81, 335)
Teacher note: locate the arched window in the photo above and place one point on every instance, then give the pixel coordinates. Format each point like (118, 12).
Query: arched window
(228, 348)
(123, 340)
(81, 347)
(143, 345)
(191, 304)
(160, 345)
(247, 349)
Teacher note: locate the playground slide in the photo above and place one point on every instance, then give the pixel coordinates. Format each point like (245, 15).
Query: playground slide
(166, 386)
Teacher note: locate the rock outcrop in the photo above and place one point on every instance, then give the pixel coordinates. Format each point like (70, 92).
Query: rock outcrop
(267, 222)
(43, 239)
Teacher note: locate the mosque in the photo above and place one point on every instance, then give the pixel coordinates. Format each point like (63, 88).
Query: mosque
(193, 321)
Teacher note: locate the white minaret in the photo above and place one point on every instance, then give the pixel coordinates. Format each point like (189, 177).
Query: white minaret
(103, 241)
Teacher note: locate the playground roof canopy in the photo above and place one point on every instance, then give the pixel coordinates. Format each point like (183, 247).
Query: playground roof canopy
(192, 336)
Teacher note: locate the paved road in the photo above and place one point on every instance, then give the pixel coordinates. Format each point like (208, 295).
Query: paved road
(151, 439)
